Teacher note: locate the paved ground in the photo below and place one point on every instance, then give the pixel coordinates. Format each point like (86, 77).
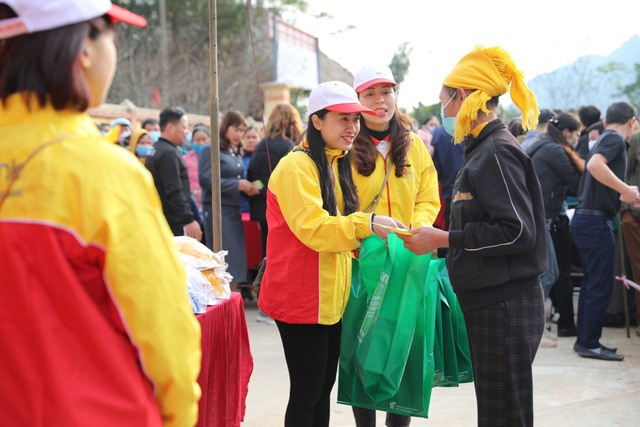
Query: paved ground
(569, 391)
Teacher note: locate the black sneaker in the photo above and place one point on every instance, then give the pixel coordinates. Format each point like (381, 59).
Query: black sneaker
(600, 353)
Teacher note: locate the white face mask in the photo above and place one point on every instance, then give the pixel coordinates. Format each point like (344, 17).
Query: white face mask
(592, 142)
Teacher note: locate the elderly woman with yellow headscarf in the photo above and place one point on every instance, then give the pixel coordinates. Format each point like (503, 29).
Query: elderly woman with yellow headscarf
(497, 234)
(141, 145)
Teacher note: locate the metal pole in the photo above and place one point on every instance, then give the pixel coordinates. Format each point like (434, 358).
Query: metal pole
(216, 218)
(164, 55)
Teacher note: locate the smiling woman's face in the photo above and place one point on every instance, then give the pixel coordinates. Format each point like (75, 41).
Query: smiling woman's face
(338, 130)
(380, 98)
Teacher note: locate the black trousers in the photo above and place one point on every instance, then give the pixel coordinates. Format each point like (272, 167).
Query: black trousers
(562, 291)
(264, 231)
(312, 353)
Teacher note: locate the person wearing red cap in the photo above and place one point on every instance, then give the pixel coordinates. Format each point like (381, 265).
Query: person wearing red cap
(314, 226)
(393, 172)
(91, 334)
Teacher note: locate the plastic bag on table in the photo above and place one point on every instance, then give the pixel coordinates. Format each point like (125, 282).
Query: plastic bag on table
(196, 256)
(199, 290)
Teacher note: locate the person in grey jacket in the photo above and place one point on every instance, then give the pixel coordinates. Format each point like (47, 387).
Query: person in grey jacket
(559, 169)
(232, 186)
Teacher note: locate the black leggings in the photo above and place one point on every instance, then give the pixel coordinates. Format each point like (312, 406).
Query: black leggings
(367, 418)
(312, 353)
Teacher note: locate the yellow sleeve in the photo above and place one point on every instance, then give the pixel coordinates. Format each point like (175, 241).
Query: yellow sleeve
(427, 204)
(148, 283)
(296, 185)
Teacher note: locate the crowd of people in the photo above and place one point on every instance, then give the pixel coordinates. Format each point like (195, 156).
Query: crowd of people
(517, 207)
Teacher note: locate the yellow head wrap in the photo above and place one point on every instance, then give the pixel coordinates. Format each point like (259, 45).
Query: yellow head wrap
(490, 71)
(135, 137)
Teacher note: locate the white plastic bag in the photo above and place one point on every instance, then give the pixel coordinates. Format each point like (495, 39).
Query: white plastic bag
(207, 278)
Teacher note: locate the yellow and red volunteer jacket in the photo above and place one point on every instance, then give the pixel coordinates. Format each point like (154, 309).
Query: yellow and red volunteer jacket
(413, 198)
(308, 274)
(95, 324)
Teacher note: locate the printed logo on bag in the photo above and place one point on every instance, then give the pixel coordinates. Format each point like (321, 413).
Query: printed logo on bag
(395, 406)
(462, 196)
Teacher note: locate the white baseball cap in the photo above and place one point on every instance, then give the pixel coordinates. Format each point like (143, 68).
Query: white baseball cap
(42, 15)
(121, 121)
(336, 96)
(372, 75)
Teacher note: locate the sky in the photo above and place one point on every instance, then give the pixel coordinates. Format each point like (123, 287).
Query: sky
(540, 35)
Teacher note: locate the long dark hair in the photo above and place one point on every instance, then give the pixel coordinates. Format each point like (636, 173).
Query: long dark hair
(364, 152)
(556, 125)
(349, 192)
(46, 64)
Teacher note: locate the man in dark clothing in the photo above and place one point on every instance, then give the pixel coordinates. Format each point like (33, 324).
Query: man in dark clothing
(600, 190)
(447, 158)
(588, 114)
(497, 244)
(170, 173)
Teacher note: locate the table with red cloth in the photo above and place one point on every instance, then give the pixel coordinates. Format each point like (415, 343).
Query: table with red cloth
(252, 240)
(227, 364)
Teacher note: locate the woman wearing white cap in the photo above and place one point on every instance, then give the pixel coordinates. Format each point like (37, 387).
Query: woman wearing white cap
(91, 335)
(314, 226)
(393, 172)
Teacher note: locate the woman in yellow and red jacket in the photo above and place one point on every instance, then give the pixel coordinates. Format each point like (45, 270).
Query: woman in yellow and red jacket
(385, 141)
(410, 193)
(313, 228)
(95, 323)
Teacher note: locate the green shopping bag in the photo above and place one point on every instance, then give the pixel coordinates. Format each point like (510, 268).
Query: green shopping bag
(386, 357)
(451, 348)
(381, 356)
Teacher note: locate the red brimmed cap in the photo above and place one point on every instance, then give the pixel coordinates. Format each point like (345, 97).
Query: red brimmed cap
(42, 15)
(373, 75)
(119, 14)
(336, 96)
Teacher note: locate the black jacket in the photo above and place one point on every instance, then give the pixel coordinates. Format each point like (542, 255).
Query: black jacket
(556, 173)
(497, 237)
(172, 182)
(259, 168)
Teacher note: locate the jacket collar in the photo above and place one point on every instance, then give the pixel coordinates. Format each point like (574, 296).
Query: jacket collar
(471, 143)
(331, 153)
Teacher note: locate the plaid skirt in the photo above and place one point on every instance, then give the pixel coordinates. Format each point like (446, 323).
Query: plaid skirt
(504, 339)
